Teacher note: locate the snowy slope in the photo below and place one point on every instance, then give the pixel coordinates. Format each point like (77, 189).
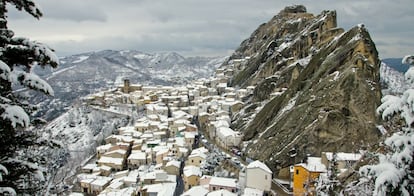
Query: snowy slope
(72, 139)
(392, 81)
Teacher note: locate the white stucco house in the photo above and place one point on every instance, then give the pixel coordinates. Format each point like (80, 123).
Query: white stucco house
(258, 176)
(227, 137)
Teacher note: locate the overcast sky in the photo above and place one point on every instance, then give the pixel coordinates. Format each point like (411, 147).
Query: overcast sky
(198, 27)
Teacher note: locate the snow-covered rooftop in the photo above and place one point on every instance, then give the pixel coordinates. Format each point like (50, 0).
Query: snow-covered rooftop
(101, 181)
(174, 163)
(192, 170)
(220, 181)
(116, 161)
(259, 164)
(196, 191)
(342, 156)
(313, 164)
(162, 189)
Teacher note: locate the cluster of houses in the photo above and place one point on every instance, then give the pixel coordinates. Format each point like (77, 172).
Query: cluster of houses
(172, 110)
(160, 150)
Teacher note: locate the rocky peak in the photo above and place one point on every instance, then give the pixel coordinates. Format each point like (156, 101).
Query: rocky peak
(316, 87)
(294, 9)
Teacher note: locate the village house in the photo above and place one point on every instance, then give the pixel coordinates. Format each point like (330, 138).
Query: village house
(196, 158)
(228, 138)
(89, 168)
(119, 153)
(142, 126)
(189, 139)
(86, 185)
(102, 150)
(306, 174)
(100, 184)
(218, 183)
(116, 164)
(136, 159)
(173, 167)
(343, 160)
(120, 145)
(258, 176)
(191, 176)
(105, 170)
(160, 154)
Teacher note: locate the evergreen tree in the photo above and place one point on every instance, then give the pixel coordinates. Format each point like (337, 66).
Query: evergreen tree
(17, 58)
(394, 173)
(329, 184)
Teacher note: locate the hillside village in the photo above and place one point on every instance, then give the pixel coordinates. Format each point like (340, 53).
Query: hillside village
(183, 144)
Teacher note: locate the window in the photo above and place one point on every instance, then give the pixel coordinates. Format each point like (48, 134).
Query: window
(192, 161)
(199, 161)
(214, 188)
(297, 172)
(265, 177)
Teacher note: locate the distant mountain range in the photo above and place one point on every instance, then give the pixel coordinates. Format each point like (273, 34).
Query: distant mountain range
(396, 64)
(83, 74)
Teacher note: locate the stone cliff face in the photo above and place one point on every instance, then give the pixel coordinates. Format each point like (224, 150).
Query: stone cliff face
(316, 87)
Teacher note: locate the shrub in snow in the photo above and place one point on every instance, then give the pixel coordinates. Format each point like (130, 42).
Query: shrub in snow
(394, 173)
(17, 57)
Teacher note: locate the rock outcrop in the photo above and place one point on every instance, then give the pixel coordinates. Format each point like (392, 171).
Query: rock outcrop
(316, 87)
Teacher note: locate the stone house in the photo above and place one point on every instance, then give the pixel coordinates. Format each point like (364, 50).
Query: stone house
(136, 159)
(191, 176)
(173, 167)
(99, 185)
(196, 158)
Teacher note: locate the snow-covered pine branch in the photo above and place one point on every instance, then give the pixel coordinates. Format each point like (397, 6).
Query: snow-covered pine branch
(4, 71)
(409, 75)
(3, 190)
(28, 5)
(3, 170)
(39, 52)
(15, 114)
(408, 59)
(32, 81)
(404, 105)
(10, 191)
(32, 167)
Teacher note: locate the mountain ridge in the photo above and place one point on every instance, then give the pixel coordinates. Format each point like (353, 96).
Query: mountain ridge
(317, 87)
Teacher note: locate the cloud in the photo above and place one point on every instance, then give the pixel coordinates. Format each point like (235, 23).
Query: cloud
(190, 26)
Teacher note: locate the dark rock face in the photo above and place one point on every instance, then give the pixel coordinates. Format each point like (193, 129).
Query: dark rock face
(295, 9)
(317, 87)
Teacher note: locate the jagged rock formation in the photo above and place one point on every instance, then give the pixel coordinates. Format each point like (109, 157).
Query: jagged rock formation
(317, 87)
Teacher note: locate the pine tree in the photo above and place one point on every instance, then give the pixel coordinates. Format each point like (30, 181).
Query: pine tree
(394, 173)
(329, 184)
(17, 58)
